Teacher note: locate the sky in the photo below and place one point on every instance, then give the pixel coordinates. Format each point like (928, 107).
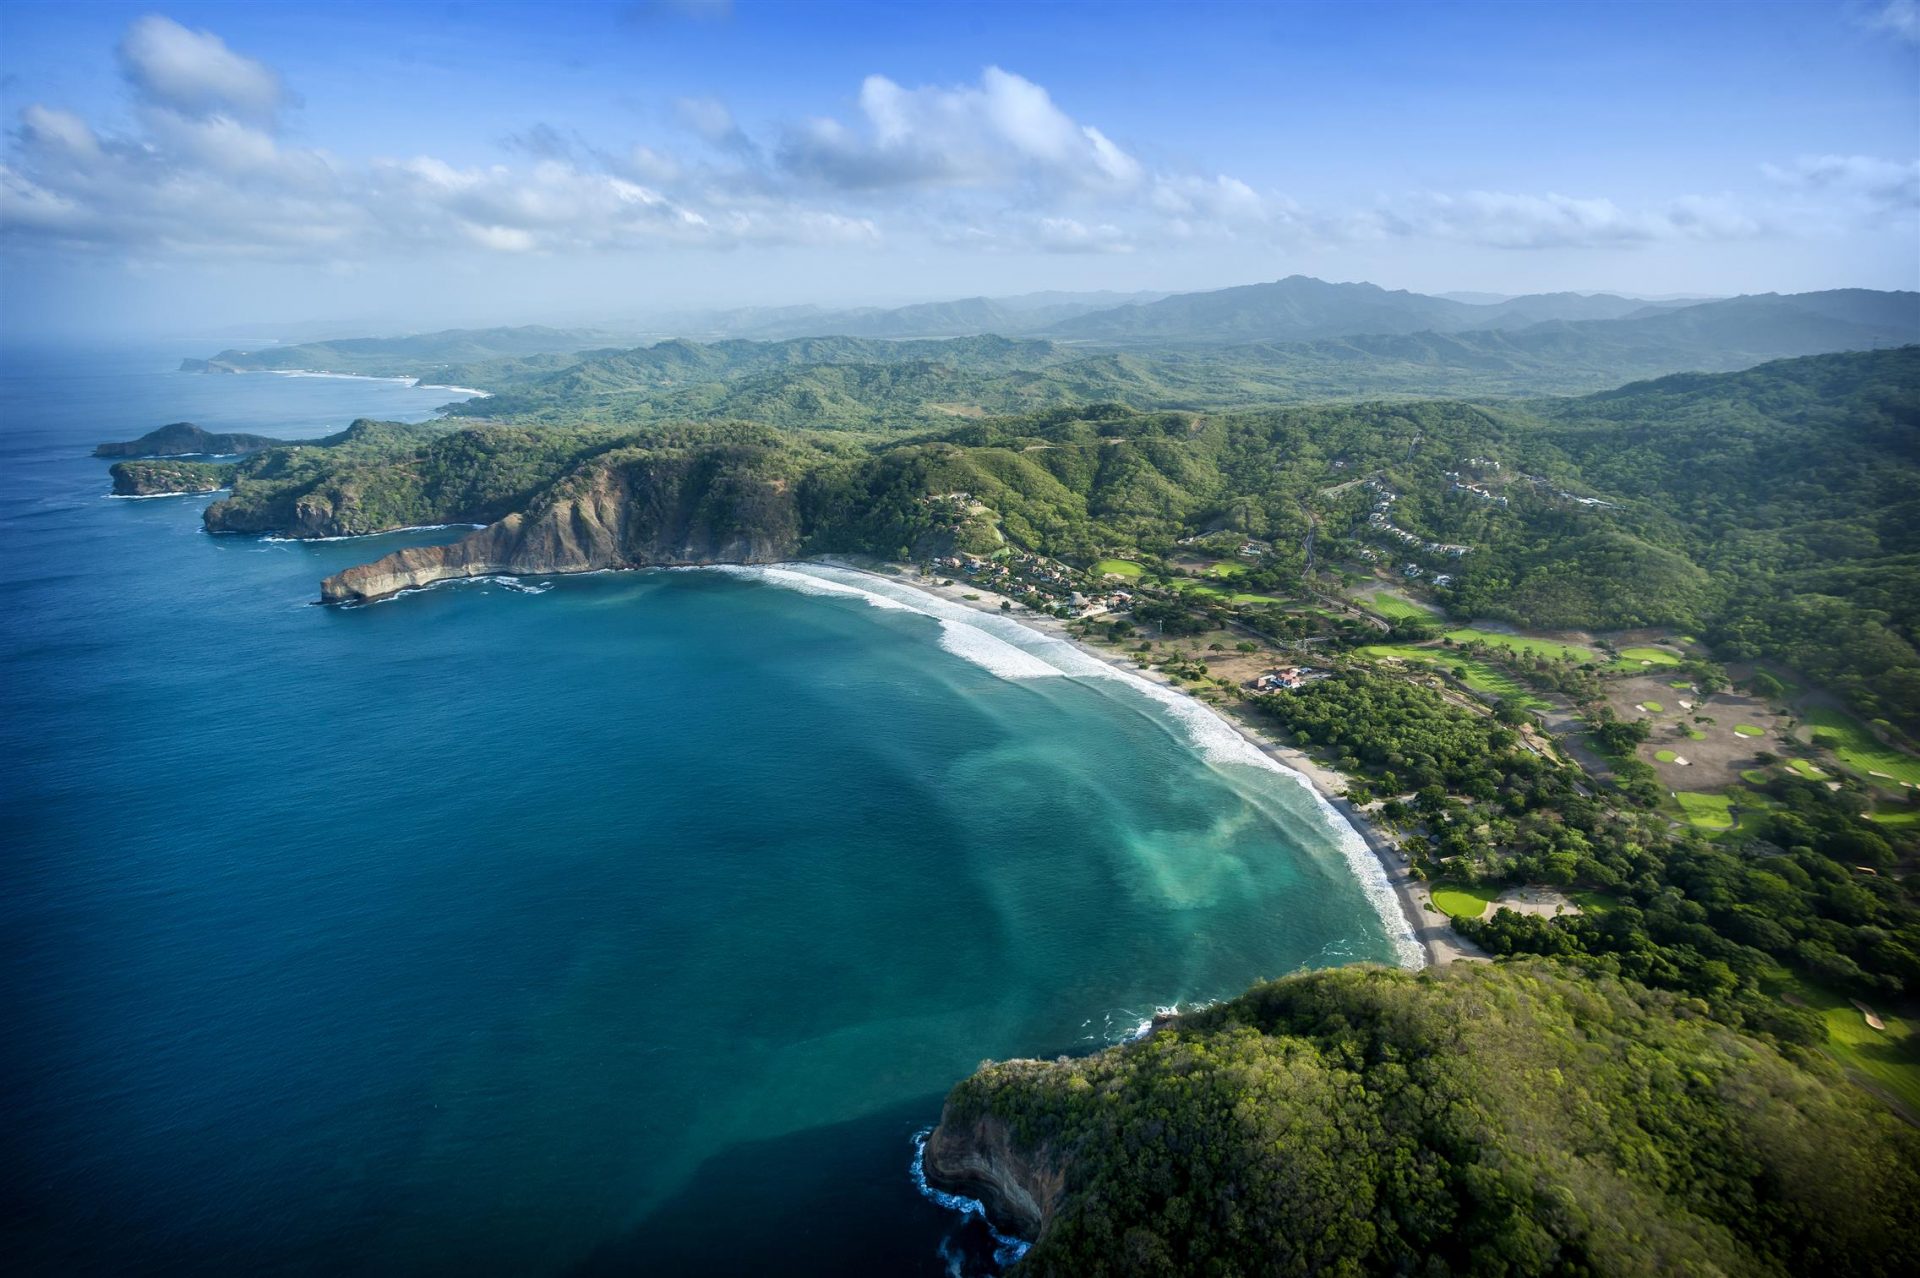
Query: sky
(200, 167)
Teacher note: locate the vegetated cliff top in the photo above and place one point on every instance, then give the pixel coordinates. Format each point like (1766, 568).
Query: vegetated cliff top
(1521, 1118)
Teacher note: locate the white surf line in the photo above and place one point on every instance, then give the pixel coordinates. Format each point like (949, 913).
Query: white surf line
(1217, 739)
(1008, 1248)
(385, 532)
(414, 383)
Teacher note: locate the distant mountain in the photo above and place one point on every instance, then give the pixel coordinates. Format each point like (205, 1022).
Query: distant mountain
(1301, 309)
(963, 317)
(1297, 308)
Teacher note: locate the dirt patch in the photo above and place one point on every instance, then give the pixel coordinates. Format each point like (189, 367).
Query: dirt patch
(1696, 729)
(1542, 902)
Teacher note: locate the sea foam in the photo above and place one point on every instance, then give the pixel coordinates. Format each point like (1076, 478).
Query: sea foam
(1007, 1248)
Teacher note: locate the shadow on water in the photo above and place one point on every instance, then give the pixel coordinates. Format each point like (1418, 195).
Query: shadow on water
(811, 1202)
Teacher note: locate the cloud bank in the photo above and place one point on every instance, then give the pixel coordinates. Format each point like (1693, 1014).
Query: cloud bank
(996, 166)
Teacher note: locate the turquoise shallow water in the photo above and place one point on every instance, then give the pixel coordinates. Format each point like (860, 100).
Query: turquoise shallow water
(628, 923)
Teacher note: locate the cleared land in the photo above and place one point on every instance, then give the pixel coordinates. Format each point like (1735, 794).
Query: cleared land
(1396, 608)
(1481, 676)
(1888, 1058)
(1860, 751)
(1550, 648)
(1457, 901)
(1705, 811)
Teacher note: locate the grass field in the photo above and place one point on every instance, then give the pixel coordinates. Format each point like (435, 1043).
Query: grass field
(1551, 648)
(1806, 770)
(1187, 585)
(1461, 902)
(1228, 568)
(1592, 902)
(1694, 734)
(1649, 657)
(1858, 749)
(1754, 776)
(1889, 1058)
(1665, 756)
(1748, 730)
(1652, 707)
(1481, 676)
(1120, 568)
(1395, 608)
(1897, 819)
(1705, 811)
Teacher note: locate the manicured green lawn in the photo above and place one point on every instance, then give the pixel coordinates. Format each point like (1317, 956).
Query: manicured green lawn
(1681, 684)
(1188, 585)
(1652, 707)
(1228, 568)
(1457, 901)
(1754, 776)
(1551, 648)
(1705, 811)
(1649, 657)
(1897, 818)
(1694, 734)
(1592, 902)
(1748, 730)
(1806, 770)
(1397, 609)
(1120, 568)
(1889, 1058)
(1665, 756)
(1858, 749)
(1481, 676)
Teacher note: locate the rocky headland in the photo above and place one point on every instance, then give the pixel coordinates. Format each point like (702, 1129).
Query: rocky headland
(184, 439)
(614, 512)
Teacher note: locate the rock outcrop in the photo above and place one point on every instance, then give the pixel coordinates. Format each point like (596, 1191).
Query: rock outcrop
(616, 511)
(167, 478)
(978, 1158)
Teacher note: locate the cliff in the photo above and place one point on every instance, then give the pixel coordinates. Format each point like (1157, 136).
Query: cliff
(979, 1158)
(621, 510)
(184, 439)
(1517, 1117)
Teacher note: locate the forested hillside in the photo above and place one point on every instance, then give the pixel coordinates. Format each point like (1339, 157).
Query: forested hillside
(1510, 1120)
(1774, 509)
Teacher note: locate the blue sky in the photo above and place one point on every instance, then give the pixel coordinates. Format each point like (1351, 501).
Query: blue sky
(194, 165)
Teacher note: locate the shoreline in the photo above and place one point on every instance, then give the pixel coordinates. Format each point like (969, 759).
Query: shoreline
(1436, 938)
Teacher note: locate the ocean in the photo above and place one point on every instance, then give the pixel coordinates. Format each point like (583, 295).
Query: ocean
(629, 923)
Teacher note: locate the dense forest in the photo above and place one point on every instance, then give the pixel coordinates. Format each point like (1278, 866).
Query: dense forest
(1517, 1119)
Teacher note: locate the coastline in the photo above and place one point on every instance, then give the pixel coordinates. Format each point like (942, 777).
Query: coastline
(1437, 940)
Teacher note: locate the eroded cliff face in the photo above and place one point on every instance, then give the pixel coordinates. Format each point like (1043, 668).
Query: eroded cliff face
(979, 1158)
(615, 512)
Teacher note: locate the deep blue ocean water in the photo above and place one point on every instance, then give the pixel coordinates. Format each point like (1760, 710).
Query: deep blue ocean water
(629, 923)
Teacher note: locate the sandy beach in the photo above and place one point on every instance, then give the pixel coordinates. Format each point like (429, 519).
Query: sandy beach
(1438, 941)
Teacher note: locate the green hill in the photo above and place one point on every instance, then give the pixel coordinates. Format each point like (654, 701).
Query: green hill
(1518, 1119)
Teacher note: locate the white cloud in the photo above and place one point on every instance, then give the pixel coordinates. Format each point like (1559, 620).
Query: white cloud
(995, 165)
(1501, 219)
(1002, 132)
(195, 73)
(1898, 18)
(1881, 184)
